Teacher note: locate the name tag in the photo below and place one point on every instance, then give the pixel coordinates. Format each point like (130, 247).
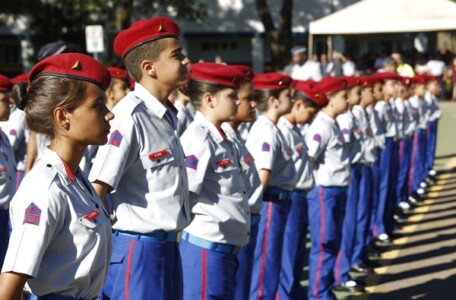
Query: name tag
(224, 163)
(158, 154)
(89, 219)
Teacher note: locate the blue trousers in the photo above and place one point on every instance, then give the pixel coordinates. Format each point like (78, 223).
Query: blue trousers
(405, 159)
(344, 256)
(418, 163)
(207, 274)
(385, 199)
(245, 258)
(268, 252)
(326, 215)
(294, 247)
(391, 201)
(363, 216)
(375, 195)
(431, 145)
(143, 268)
(4, 234)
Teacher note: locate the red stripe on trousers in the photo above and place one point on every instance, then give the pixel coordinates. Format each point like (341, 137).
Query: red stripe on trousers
(203, 275)
(322, 239)
(263, 251)
(412, 167)
(339, 258)
(127, 274)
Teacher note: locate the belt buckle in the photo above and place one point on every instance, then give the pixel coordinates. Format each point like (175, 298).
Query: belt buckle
(280, 195)
(178, 238)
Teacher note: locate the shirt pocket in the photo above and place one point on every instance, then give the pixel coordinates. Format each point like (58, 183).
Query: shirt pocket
(157, 159)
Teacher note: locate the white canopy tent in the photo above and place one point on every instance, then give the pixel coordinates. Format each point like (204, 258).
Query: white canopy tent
(387, 16)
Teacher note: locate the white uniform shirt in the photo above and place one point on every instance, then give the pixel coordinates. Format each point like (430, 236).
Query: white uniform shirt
(401, 116)
(434, 111)
(184, 117)
(377, 127)
(326, 145)
(410, 123)
(351, 132)
(272, 152)
(219, 196)
(302, 164)
(144, 163)
(7, 171)
(386, 116)
(421, 111)
(61, 232)
(252, 179)
(367, 136)
(16, 130)
(310, 70)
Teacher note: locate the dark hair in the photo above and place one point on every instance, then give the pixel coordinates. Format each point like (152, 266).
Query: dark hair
(150, 50)
(196, 90)
(40, 97)
(261, 97)
(299, 96)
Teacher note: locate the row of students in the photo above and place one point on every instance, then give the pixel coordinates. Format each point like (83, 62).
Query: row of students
(205, 187)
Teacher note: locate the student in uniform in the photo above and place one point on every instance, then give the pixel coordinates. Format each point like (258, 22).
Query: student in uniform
(143, 167)
(218, 193)
(326, 201)
(431, 98)
(17, 132)
(246, 113)
(352, 134)
(307, 101)
(273, 160)
(61, 238)
(7, 168)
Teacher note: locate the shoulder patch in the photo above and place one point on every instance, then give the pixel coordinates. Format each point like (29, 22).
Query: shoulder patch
(191, 162)
(317, 137)
(32, 215)
(265, 147)
(116, 138)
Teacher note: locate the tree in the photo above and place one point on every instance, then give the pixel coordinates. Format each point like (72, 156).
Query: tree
(279, 37)
(51, 20)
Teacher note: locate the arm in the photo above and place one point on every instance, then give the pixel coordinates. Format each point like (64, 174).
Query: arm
(265, 175)
(11, 285)
(102, 189)
(31, 151)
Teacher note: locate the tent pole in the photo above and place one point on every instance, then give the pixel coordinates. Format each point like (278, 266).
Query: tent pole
(310, 46)
(329, 46)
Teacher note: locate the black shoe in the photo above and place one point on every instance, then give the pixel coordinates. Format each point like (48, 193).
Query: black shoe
(351, 287)
(362, 269)
(372, 264)
(374, 254)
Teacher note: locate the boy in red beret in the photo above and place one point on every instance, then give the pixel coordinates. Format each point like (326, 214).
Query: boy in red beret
(307, 102)
(326, 205)
(143, 167)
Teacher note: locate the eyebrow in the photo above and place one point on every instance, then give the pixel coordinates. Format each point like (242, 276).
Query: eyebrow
(176, 50)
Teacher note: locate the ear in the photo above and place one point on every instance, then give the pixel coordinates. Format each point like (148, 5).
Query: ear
(273, 102)
(148, 67)
(208, 100)
(61, 119)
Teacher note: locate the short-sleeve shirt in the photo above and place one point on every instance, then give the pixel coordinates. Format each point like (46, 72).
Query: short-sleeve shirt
(143, 162)
(351, 132)
(401, 116)
(219, 196)
(272, 152)
(16, 130)
(386, 116)
(7, 171)
(326, 145)
(367, 136)
(377, 126)
(421, 110)
(184, 117)
(61, 233)
(434, 111)
(304, 170)
(252, 179)
(410, 123)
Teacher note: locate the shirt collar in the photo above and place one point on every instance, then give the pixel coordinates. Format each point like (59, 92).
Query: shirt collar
(215, 132)
(229, 131)
(285, 122)
(325, 116)
(51, 157)
(152, 103)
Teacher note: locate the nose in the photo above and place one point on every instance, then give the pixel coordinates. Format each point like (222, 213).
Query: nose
(253, 104)
(109, 116)
(185, 61)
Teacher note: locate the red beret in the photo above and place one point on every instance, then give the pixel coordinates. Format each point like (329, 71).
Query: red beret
(407, 80)
(271, 81)
(332, 84)
(20, 78)
(420, 79)
(144, 31)
(247, 71)
(309, 89)
(367, 81)
(387, 76)
(5, 84)
(217, 74)
(117, 73)
(72, 65)
(432, 78)
(352, 81)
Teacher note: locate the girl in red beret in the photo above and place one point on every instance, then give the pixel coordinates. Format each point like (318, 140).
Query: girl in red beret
(273, 160)
(60, 243)
(218, 193)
